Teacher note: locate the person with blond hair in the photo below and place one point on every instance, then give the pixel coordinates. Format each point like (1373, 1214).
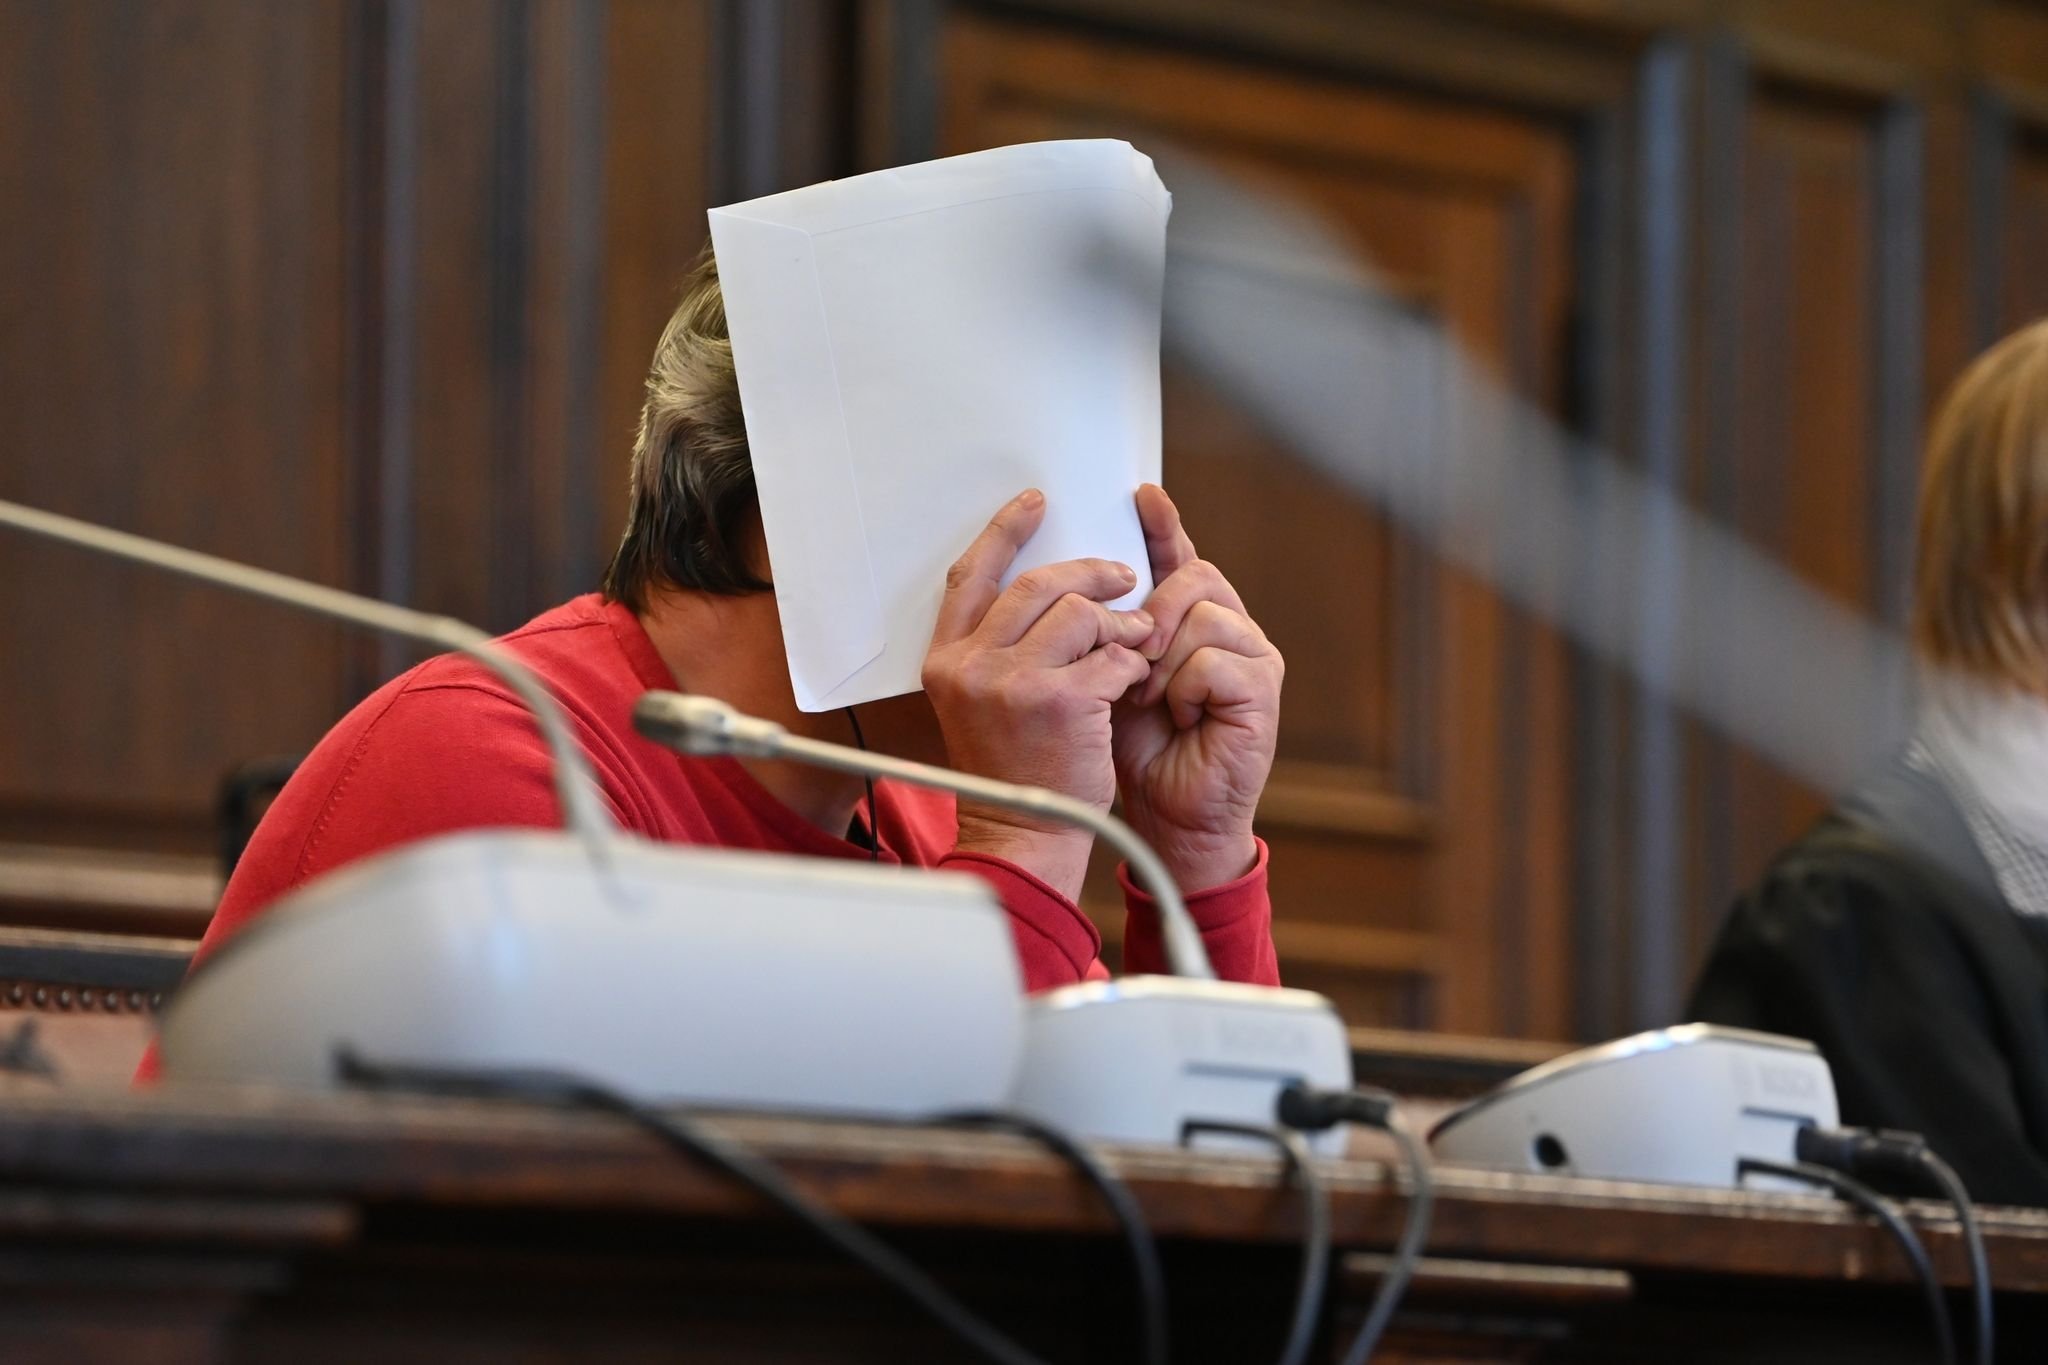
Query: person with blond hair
(1907, 933)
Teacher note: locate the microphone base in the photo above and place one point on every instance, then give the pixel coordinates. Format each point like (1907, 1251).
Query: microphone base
(1137, 1059)
(1680, 1106)
(679, 976)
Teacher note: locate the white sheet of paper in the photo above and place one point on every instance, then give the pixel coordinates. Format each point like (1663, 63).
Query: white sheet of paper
(917, 346)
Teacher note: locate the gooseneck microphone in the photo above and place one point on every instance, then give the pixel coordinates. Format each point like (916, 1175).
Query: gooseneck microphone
(707, 727)
(582, 810)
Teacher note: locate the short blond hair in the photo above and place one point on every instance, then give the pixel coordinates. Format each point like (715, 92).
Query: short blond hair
(1981, 577)
(692, 481)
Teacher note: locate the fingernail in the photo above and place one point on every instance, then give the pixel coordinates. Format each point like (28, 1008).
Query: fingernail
(1143, 618)
(1030, 498)
(1128, 574)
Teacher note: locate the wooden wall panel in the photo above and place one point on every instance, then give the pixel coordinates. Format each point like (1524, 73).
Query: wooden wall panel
(360, 291)
(2008, 165)
(2003, 127)
(559, 174)
(656, 175)
(2023, 291)
(1814, 330)
(1858, 38)
(2012, 149)
(1797, 471)
(171, 343)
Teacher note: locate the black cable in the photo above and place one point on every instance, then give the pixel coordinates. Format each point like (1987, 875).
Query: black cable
(1315, 1241)
(1866, 1153)
(1130, 1218)
(1407, 1251)
(860, 742)
(847, 1236)
(1872, 1203)
(1973, 1238)
(1312, 1110)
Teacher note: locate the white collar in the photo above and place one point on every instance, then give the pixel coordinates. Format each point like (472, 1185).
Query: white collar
(1997, 741)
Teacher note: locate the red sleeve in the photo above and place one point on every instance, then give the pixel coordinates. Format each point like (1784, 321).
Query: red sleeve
(1057, 944)
(1236, 920)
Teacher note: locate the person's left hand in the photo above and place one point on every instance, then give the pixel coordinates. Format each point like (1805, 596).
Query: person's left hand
(1194, 742)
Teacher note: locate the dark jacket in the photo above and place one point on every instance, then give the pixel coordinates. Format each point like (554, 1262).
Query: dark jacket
(1881, 935)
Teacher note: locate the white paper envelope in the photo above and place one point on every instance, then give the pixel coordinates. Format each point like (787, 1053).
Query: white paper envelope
(917, 346)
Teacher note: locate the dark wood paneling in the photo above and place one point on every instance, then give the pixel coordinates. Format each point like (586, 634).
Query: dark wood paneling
(2023, 278)
(1868, 43)
(2010, 152)
(1810, 391)
(359, 291)
(656, 177)
(1797, 475)
(1634, 362)
(171, 341)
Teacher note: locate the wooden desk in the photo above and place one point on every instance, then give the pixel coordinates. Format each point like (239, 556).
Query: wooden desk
(252, 1225)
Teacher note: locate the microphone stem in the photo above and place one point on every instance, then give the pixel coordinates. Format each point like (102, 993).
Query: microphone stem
(581, 808)
(1184, 950)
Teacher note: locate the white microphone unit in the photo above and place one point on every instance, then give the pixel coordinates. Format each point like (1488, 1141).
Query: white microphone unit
(1684, 1105)
(673, 975)
(1131, 1060)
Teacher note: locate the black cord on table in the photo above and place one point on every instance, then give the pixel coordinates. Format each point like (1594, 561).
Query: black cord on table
(1973, 1239)
(1312, 1110)
(1874, 1204)
(1407, 1250)
(855, 1241)
(1315, 1241)
(1867, 1153)
(1130, 1218)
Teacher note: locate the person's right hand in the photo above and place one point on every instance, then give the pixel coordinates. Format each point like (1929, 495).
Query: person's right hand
(1022, 680)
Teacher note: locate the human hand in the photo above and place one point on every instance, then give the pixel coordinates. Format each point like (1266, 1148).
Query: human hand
(1022, 680)
(1193, 743)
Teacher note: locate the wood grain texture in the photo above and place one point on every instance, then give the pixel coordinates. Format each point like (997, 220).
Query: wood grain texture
(1797, 475)
(169, 363)
(236, 1224)
(2015, 147)
(449, 1153)
(240, 1225)
(360, 291)
(1811, 402)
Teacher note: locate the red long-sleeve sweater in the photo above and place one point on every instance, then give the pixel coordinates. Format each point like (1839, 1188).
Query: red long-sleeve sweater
(447, 747)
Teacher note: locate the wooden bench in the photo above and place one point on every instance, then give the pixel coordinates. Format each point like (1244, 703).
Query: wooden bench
(87, 1000)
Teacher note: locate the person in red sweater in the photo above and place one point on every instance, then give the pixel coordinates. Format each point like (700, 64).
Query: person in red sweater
(1174, 706)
